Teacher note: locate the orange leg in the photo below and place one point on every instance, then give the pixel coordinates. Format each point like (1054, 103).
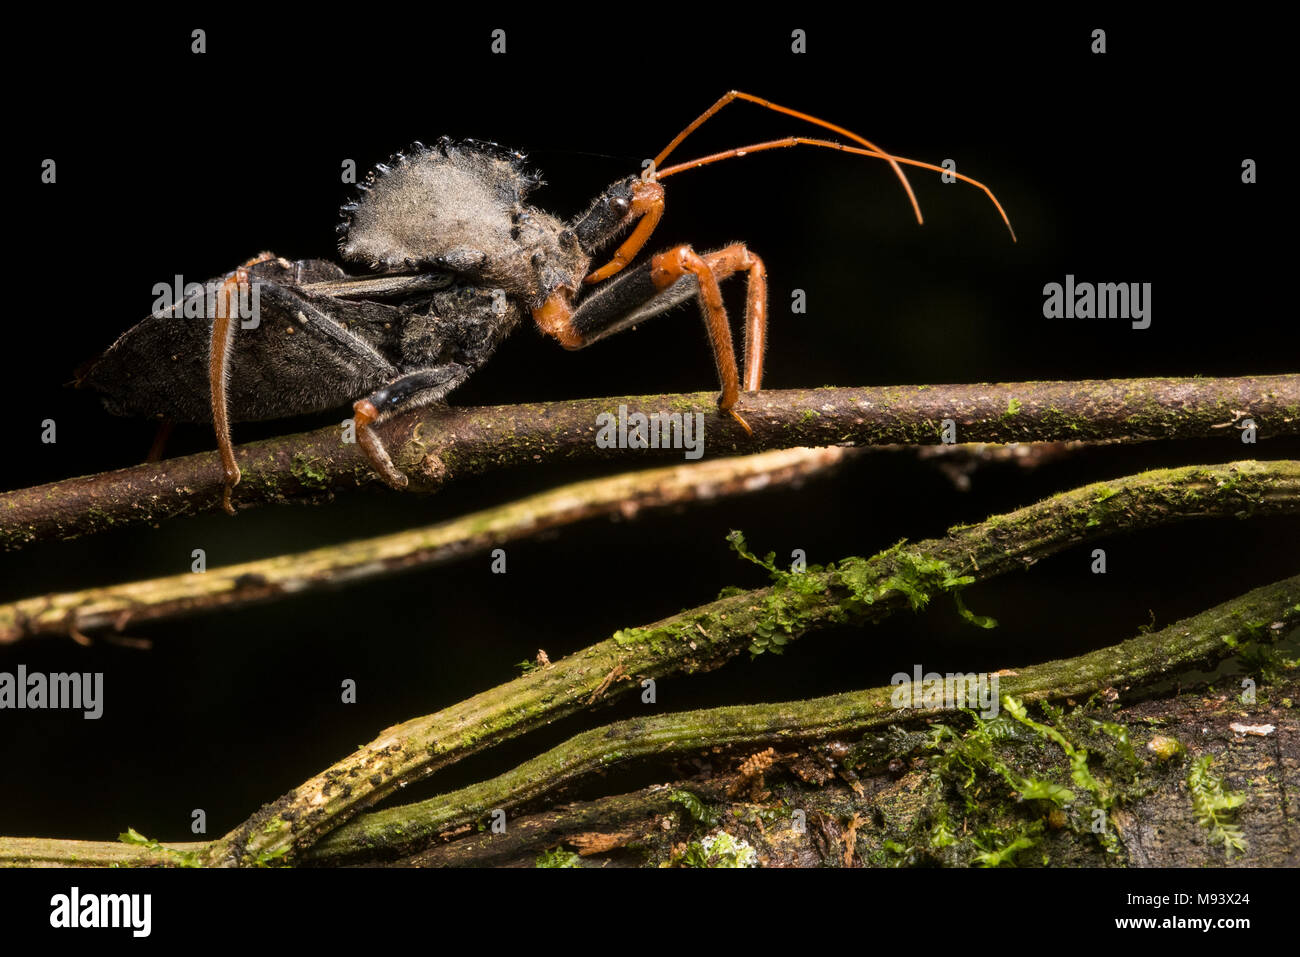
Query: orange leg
(364, 415)
(668, 267)
(726, 262)
(223, 340)
(648, 290)
(408, 390)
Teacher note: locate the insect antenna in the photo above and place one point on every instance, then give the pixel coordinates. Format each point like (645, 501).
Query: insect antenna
(734, 95)
(831, 144)
(658, 172)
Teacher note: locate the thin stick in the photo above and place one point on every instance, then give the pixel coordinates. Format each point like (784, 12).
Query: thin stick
(436, 445)
(235, 586)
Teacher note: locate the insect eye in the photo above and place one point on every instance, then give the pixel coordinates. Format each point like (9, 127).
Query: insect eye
(618, 204)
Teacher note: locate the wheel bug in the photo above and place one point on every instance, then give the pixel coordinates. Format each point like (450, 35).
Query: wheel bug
(455, 257)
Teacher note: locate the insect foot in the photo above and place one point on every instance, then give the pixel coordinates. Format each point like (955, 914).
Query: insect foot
(364, 415)
(726, 407)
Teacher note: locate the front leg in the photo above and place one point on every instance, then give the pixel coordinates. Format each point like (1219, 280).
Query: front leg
(412, 390)
(664, 281)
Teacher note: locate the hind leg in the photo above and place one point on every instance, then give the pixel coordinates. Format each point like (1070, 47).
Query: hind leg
(410, 391)
(223, 340)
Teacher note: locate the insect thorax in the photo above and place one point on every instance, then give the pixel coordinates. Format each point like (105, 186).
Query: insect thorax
(460, 207)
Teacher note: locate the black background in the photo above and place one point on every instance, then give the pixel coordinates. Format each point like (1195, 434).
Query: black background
(1123, 167)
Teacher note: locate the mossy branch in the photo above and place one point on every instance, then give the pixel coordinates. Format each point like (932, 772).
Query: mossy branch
(529, 837)
(854, 591)
(1153, 657)
(48, 852)
(436, 445)
(1192, 642)
(117, 606)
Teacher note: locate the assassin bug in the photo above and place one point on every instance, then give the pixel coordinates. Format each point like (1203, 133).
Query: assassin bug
(455, 257)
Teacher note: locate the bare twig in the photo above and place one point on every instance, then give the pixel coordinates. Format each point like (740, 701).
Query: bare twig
(436, 445)
(75, 613)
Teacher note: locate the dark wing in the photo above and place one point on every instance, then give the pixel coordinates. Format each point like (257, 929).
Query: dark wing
(381, 287)
(305, 348)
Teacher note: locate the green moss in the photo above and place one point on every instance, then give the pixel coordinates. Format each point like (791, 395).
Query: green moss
(1004, 849)
(717, 850)
(310, 471)
(1123, 742)
(697, 809)
(974, 810)
(631, 636)
(180, 858)
(1080, 773)
(558, 857)
(1059, 422)
(979, 621)
(268, 858)
(1100, 512)
(1005, 785)
(658, 641)
(1257, 654)
(898, 570)
(1214, 805)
